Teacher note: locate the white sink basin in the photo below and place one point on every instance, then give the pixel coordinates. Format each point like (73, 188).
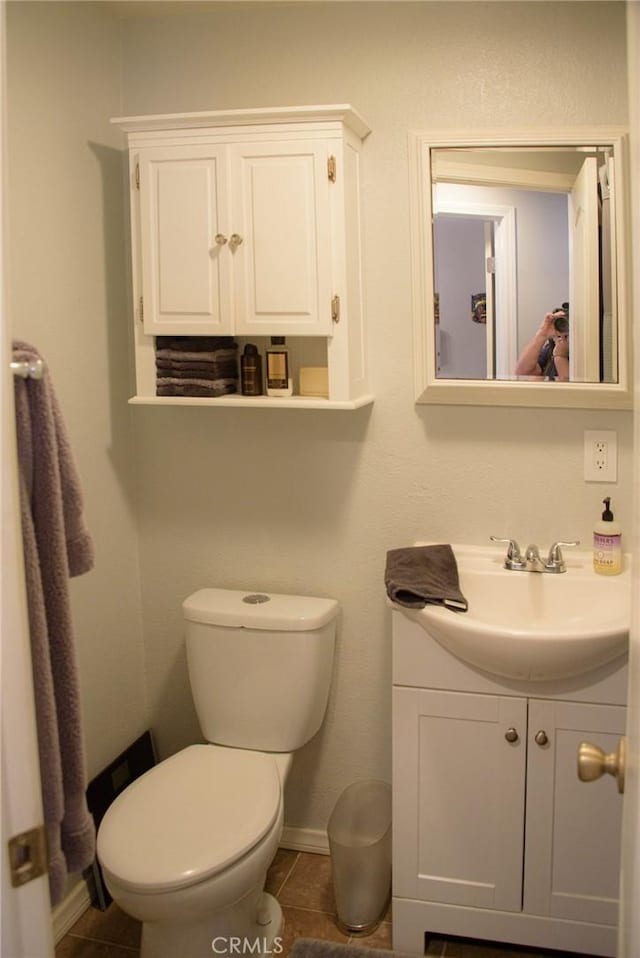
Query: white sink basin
(532, 625)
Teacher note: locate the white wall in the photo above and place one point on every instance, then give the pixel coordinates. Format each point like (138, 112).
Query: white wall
(295, 500)
(69, 297)
(310, 502)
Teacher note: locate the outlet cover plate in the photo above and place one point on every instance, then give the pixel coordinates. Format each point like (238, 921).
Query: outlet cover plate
(600, 455)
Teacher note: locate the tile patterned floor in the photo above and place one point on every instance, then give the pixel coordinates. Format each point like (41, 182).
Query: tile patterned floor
(302, 884)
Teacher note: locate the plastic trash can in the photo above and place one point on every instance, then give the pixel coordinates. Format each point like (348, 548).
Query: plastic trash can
(360, 845)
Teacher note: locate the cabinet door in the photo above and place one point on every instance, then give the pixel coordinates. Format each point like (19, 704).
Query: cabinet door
(573, 828)
(282, 251)
(186, 273)
(458, 815)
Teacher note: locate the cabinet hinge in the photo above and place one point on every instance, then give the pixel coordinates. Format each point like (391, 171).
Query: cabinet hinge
(141, 309)
(137, 176)
(335, 309)
(27, 856)
(332, 168)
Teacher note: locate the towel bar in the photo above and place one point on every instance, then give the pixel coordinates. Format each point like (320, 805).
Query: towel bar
(33, 369)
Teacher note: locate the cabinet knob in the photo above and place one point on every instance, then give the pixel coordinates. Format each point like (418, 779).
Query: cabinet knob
(235, 240)
(541, 737)
(594, 762)
(511, 735)
(220, 239)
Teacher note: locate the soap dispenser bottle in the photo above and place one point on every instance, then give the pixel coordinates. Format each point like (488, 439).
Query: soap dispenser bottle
(607, 543)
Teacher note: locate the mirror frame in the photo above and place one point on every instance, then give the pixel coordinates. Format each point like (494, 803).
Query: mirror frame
(430, 388)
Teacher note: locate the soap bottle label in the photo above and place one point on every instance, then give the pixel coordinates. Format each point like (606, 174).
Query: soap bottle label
(277, 370)
(607, 553)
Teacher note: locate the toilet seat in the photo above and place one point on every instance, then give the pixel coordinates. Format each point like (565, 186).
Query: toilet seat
(189, 817)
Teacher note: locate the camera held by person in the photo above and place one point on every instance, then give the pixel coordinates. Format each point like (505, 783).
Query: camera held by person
(561, 318)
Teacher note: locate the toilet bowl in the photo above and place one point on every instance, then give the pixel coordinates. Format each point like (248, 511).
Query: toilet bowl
(185, 848)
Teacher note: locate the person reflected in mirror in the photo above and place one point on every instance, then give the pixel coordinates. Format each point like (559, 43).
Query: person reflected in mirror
(546, 355)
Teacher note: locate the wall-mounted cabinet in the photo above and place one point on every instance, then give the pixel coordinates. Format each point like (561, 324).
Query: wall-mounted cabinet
(247, 224)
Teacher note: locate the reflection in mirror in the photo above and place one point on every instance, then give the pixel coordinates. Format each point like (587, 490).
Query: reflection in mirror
(506, 227)
(517, 233)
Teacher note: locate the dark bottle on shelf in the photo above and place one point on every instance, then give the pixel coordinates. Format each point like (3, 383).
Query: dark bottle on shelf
(251, 371)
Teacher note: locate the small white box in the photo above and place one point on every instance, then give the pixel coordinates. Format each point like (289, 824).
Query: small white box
(314, 381)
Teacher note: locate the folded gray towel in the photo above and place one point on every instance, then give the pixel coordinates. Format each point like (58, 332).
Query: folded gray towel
(191, 344)
(210, 366)
(219, 372)
(419, 575)
(170, 386)
(197, 356)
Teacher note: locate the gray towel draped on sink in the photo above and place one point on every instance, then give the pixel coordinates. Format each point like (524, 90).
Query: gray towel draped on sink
(416, 576)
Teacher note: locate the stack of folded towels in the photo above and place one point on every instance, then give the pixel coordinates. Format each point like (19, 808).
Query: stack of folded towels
(196, 365)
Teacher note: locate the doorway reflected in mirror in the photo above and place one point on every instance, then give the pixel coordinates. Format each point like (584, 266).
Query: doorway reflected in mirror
(532, 227)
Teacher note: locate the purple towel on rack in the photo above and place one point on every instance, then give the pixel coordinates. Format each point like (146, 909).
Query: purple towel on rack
(56, 546)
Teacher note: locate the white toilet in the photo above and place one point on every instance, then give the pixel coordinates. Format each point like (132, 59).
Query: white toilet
(186, 847)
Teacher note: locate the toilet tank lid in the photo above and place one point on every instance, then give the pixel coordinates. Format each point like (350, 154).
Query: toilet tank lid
(259, 610)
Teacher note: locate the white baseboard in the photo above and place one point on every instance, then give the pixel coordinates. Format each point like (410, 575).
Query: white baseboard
(73, 906)
(305, 840)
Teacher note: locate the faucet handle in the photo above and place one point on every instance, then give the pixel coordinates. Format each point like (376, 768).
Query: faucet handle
(513, 552)
(554, 558)
(513, 558)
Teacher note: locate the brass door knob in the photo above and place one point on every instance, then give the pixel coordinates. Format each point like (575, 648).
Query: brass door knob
(541, 737)
(235, 240)
(594, 762)
(220, 239)
(511, 735)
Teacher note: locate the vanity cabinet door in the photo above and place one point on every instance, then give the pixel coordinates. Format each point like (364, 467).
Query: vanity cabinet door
(573, 828)
(459, 778)
(282, 264)
(184, 225)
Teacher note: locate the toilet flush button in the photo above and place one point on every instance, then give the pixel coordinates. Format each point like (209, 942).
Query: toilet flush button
(256, 598)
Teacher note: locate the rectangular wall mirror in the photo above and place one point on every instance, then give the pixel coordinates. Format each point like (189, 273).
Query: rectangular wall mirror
(507, 227)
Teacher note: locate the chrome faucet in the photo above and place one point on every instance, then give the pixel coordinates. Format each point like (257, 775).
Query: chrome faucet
(531, 562)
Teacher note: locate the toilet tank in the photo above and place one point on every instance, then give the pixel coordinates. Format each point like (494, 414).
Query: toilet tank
(260, 666)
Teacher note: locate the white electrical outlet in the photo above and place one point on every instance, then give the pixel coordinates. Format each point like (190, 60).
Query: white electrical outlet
(600, 456)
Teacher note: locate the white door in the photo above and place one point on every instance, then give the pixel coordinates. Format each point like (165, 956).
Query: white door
(25, 912)
(490, 317)
(282, 255)
(629, 937)
(186, 248)
(584, 275)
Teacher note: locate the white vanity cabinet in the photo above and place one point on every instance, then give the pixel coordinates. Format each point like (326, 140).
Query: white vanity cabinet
(494, 835)
(247, 224)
